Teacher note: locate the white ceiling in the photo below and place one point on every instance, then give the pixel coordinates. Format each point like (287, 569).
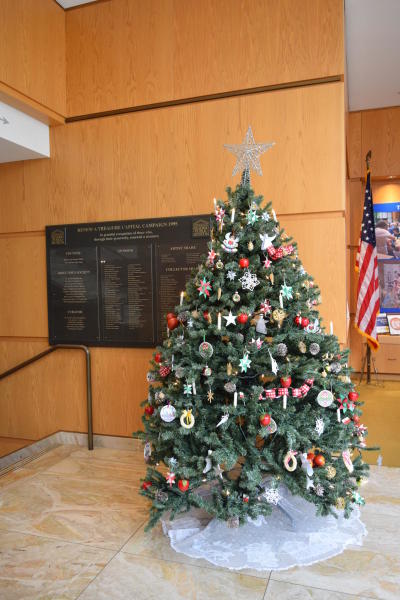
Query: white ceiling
(373, 53)
(71, 3)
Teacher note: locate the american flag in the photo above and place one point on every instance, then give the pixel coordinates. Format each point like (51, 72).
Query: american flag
(367, 266)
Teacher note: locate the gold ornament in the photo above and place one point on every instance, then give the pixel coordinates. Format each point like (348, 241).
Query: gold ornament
(250, 246)
(219, 264)
(210, 396)
(302, 347)
(278, 315)
(271, 276)
(225, 493)
(340, 503)
(323, 374)
(330, 472)
(219, 293)
(195, 314)
(229, 368)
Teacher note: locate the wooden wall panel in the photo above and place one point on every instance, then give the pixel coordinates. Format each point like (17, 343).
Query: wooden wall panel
(32, 50)
(171, 161)
(46, 396)
(23, 296)
(322, 250)
(128, 52)
(381, 134)
(354, 163)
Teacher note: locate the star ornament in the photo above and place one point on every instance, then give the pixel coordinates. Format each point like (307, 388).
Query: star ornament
(287, 291)
(231, 275)
(230, 319)
(245, 363)
(204, 288)
(248, 153)
(258, 342)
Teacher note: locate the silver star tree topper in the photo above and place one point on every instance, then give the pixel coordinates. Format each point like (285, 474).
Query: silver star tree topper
(248, 153)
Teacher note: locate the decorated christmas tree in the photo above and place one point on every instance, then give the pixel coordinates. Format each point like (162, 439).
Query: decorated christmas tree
(249, 391)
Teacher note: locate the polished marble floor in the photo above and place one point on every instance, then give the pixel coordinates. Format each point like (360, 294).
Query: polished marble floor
(72, 526)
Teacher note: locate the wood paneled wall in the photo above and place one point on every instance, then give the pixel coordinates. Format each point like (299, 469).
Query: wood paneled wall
(168, 161)
(379, 131)
(32, 53)
(164, 162)
(129, 52)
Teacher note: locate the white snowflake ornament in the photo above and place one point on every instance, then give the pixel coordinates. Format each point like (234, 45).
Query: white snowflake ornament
(231, 275)
(272, 496)
(319, 426)
(249, 281)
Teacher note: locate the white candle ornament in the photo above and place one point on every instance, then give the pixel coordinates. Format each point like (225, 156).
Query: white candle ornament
(331, 328)
(274, 215)
(233, 215)
(235, 399)
(181, 302)
(219, 320)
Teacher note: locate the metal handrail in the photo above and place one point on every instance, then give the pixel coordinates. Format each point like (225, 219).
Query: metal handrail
(86, 350)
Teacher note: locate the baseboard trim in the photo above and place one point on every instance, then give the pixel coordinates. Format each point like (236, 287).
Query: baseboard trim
(21, 457)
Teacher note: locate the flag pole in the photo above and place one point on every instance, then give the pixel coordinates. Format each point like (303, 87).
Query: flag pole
(367, 163)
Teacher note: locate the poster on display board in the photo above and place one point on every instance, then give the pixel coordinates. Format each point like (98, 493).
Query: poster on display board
(387, 233)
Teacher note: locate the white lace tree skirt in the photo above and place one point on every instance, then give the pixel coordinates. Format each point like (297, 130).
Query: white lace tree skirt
(291, 536)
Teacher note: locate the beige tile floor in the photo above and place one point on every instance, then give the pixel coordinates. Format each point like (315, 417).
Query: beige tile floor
(72, 526)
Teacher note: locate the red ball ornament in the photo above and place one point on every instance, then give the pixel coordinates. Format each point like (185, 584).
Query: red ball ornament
(245, 498)
(286, 382)
(297, 320)
(183, 485)
(265, 420)
(158, 358)
(305, 322)
(148, 409)
(356, 419)
(242, 318)
(205, 314)
(244, 263)
(170, 316)
(172, 323)
(146, 485)
(310, 457)
(165, 371)
(318, 461)
(353, 396)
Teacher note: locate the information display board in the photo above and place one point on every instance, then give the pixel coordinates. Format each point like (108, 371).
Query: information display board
(112, 283)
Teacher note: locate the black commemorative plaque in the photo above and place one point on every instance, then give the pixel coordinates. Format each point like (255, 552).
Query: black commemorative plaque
(112, 283)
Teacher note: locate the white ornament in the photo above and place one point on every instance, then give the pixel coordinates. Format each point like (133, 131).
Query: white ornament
(261, 326)
(265, 216)
(272, 496)
(231, 275)
(168, 413)
(223, 420)
(230, 319)
(230, 243)
(218, 471)
(266, 240)
(274, 364)
(249, 281)
(325, 398)
(347, 460)
(310, 483)
(290, 461)
(319, 426)
(319, 490)
(208, 462)
(306, 464)
(187, 419)
(313, 327)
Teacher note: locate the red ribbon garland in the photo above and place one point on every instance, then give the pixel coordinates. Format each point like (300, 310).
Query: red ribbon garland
(280, 252)
(300, 392)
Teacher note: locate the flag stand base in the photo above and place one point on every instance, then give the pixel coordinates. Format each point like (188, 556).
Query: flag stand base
(367, 362)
